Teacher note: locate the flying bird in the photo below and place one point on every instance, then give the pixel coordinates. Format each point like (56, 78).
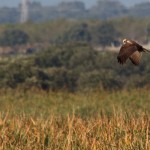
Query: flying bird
(132, 50)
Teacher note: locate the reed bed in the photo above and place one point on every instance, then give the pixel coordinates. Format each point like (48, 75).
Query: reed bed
(96, 120)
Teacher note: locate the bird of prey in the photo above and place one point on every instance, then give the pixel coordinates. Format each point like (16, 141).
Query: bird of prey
(132, 50)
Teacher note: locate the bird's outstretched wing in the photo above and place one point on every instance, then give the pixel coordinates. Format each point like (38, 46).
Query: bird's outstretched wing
(125, 52)
(136, 57)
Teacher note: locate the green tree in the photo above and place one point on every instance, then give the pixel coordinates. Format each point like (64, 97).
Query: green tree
(13, 37)
(79, 57)
(77, 33)
(106, 34)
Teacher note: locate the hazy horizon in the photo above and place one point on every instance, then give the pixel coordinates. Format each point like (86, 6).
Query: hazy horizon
(88, 3)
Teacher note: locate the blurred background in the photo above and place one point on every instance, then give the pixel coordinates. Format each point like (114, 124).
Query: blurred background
(88, 3)
(72, 44)
(75, 9)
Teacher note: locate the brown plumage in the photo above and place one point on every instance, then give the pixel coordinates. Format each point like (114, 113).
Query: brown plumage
(132, 50)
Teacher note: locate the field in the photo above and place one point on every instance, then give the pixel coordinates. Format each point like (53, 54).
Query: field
(92, 120)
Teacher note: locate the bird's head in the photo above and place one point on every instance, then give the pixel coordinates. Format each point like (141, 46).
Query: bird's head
(126, 41)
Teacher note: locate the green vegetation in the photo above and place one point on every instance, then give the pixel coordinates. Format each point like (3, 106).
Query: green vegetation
(106, 34)
(13, 37)
(73, 67)
(77, 33)
(94, 32)
(94, 103)
(66, 57)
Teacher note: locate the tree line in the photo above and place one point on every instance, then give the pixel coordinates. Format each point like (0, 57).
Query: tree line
(74, 66)
(75, 10)
(96, 33)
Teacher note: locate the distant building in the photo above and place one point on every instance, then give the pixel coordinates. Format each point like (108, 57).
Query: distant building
(24, 11)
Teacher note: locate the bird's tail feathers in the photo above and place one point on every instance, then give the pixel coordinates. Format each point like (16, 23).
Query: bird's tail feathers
(146, 50)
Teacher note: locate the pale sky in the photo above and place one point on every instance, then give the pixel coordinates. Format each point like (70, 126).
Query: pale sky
(54, 2)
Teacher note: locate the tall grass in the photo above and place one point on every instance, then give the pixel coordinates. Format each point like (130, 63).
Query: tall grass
(61, 120)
